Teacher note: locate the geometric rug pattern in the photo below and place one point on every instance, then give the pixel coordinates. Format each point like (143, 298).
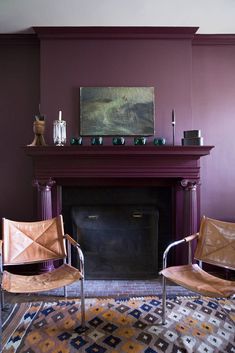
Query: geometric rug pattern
(128, 325)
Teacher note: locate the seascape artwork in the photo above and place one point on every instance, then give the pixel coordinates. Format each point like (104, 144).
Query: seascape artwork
(120, 111)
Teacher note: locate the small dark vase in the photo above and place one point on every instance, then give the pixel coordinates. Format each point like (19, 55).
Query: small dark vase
(159, 141)
(118, 140)
(97, 140)
(75, 141)
(140, 140)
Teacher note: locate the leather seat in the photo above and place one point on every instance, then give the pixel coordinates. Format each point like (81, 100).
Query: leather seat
(215, 246)
(35, 242)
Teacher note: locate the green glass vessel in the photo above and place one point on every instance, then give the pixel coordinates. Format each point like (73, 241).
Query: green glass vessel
(97, 140)
(140, 140)
(159, 141)
(75, 141)
(118, 140)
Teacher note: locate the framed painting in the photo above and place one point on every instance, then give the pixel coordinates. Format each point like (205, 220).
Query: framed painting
(116, 111)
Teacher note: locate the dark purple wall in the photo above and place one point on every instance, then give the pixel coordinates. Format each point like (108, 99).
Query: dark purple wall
(214, 113)
(19, 92)
(197, 81)
(67, 64)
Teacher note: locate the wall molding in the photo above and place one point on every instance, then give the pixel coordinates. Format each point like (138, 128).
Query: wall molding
(115, 32)
(19, 39)
(214, 39)
(119, 33)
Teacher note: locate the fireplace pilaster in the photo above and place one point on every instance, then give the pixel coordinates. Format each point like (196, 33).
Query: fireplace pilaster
(44, 210)
(190, 206)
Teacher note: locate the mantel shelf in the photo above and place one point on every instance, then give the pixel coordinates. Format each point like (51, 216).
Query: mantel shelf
(146, 150)
(72, 163)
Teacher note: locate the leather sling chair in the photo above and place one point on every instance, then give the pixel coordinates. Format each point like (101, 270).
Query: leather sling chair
(33, 242)
(215, 246)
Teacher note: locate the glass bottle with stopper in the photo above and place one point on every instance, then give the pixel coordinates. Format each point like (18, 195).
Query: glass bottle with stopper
(59, 131)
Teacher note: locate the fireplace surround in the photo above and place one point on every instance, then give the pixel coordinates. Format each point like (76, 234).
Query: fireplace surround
(175, 167)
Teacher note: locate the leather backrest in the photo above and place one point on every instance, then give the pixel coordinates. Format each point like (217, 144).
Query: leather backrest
(29, 242)
(216, 243)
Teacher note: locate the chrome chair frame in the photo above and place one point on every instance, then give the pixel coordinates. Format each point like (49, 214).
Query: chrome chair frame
(215, 246)
(69, 243)
(188, 240)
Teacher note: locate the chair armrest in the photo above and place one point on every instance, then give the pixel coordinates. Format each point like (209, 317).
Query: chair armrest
(191, 237)
(71, 240)
(79, 251)
(187, 239)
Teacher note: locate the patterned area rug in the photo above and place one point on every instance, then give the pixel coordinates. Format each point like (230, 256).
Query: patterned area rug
(122, 326)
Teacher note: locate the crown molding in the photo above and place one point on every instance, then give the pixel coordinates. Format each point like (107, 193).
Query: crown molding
(115, 32)
(19, 39)
(214, 39)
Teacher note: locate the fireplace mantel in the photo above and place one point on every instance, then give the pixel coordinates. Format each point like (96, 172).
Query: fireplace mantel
(77, 162)
(177, 167)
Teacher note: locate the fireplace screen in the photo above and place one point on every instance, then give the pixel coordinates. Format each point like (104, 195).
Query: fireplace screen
(118, 241)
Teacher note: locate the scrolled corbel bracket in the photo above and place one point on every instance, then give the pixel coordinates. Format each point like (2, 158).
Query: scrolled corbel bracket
(190, 184)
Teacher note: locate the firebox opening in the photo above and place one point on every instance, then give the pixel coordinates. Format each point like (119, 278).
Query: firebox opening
(122, 231)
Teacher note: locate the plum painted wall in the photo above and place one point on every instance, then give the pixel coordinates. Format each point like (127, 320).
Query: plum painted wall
(197, 81)
(69, 64)
(19, 92)
(214, 113)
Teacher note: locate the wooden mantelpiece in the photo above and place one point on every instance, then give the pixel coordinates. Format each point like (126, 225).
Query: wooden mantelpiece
(175, 166)
(178, 166)
(76, 162)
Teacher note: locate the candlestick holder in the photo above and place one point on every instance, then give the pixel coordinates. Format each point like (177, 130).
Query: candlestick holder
(173, 127)
(173, 134)
(59, 131)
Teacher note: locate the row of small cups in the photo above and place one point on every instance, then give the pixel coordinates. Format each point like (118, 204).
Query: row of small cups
(119, 140)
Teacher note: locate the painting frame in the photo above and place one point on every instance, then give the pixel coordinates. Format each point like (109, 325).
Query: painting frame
(117, 111)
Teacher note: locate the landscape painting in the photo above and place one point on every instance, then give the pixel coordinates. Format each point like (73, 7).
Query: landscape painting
(119, 111)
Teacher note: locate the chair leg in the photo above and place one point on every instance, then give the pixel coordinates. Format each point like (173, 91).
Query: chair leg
(83, 323)
(163, 300)
(1, 330)
(2, 308)
(2, 300)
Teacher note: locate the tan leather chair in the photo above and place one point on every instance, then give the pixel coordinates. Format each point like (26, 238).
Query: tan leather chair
(33, 242)
(215, 246)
